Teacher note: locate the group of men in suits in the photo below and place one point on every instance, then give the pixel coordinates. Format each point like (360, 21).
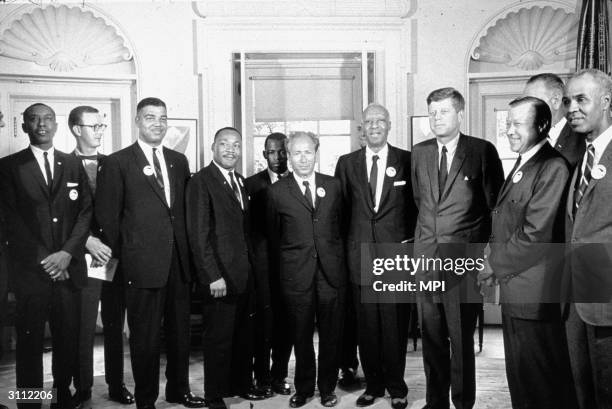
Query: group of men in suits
(278, 253)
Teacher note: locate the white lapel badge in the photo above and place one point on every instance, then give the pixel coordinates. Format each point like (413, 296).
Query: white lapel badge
(147, 170)
(517, 177)
(320, 192)
(73, 195)
(391, 172)
(598, 172)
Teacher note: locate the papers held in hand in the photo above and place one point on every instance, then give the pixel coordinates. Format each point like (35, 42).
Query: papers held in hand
(106, 272)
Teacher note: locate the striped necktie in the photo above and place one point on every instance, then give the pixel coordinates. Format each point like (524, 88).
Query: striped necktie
(585, 177)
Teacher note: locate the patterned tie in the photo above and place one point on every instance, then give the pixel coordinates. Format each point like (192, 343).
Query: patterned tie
(442, 172)
(48, 171)
(585, 178)
(158, 172)
(235, 187)
(308, 194)
(374, 178)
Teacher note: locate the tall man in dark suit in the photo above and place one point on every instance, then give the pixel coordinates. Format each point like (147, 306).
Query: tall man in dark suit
(377, 192)
(87, 126)
(219, 234)
(271, 315)
(550, 89)
(46, 203)
(589, 232)
(140, 207)
(527, 219)
(304, 219)
(456, 179)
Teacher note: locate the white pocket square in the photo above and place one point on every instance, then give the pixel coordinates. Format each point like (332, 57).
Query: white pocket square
(466, 178)
(71, 184)
(399, 183)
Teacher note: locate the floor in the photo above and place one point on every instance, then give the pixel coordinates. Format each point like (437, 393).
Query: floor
(492, 388)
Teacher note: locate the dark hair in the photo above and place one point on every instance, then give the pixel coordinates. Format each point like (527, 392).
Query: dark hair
(38, 104)
(275, 136)
(150, 101)
(542, 115)
(225, 129)
(76, 115)
(552, 81)
(448, 92)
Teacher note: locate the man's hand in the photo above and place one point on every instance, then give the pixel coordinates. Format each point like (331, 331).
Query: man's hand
(218, 288)
(98, 250)
(63, 276)
(56, 263)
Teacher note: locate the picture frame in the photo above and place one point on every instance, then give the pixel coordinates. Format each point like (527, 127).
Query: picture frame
(182, 136)
(420, 129)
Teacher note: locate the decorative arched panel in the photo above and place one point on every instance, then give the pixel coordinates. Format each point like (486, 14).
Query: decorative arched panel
(63, 38)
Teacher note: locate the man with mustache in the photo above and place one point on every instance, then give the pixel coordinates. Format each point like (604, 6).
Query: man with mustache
(589, 234)
(218, 220)
(46, 203)
(140, 208)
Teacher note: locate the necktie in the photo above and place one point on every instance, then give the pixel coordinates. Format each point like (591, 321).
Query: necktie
(48, 171)
(90, 163)
(235, 188)
(158, 172)
(442, 172)
(308, 193)
(585, 178)
(511, 174)
(374, 178)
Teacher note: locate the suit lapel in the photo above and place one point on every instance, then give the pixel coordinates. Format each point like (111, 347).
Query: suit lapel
(571, 190)
(432, 169)
(226, 186)
(456, 164)
(32, 168)
(296, 191)
(360, 168)
(319, 185)
(392, 162)
(563, 138)
(141, 163)
(606, 161)
(58, 172)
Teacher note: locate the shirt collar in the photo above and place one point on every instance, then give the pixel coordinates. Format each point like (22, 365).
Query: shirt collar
(310, 180)
(532, 151)
(224, 172)
(275, 176)
(451, 146)
(601, 142)
(37, 151)
(148, 149)
(382, 153)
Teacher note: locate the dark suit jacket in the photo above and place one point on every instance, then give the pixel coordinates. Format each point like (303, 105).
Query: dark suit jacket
(528, 217)
(571, 145)
(303, 240)
(396, 216)
(219, 230)
(256, 187)
(135, 219)
(39, 223)
(463, 213)
(589, 234)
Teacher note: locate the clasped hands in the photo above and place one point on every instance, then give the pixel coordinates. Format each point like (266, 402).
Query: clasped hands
(56, 265)
(100, 252)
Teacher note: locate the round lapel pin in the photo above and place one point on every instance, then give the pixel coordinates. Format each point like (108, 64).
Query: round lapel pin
(391, 172)
(517, 177)
(320, 192)
(73, 195)
(598, 172)
(147, 170)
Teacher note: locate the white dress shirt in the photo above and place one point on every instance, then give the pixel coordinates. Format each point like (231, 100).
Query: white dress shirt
(555, 131)
(529, 154)
(274, 176)
(228, 179)
(311, 181)
(600, 144)
(382, 167)
(40, 159)
(148, 151)
(451, 148)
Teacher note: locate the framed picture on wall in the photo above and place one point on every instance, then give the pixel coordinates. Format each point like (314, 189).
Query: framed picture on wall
(182, 136)
(420, 129)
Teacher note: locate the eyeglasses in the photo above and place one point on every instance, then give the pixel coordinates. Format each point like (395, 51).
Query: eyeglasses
(96, 127)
